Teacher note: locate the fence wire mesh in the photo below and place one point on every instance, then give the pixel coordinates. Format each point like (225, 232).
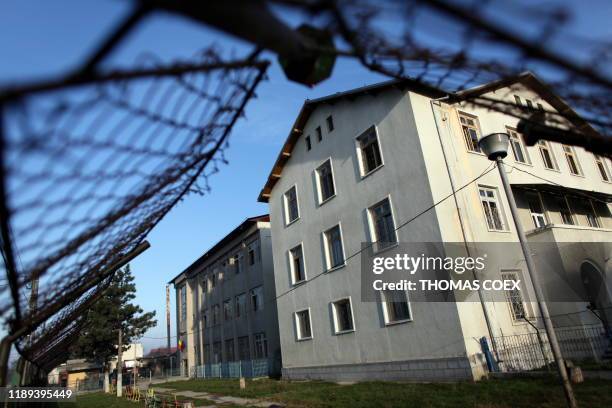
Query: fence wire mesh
(90, 170)
(457, 45)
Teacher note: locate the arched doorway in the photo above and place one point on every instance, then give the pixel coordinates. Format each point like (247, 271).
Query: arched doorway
(597, 294)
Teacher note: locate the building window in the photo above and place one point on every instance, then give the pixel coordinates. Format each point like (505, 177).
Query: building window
(213, 280)
(308, 143)
(514, 298)
(237, 263)
(343, 316)
(319, 133)
(302, 324)
(257, 298)
(604, 172)
(529, 104)
(206, 318)
(296, 256)
(243, 348)
(227, 309)
(215, 313)
(536, 210)
(592, 216)
(240, 306)
(518, 101)
(217, 351)
(291, 205)
(572, 160)
(330, 123)
(261, 345)
(564, 210)
(334, 248)
(471, 132)
(490, 204)
(540, 107)
(369, 151)
(325, 181)
(396, 307)
(251, 257)
(547, 156)
(383, 226)
(229, 350)
(518, 147)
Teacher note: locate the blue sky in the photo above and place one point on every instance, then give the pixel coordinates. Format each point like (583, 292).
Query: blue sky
(48, 37)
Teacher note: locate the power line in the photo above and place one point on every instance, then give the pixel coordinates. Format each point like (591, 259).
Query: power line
(490, 168)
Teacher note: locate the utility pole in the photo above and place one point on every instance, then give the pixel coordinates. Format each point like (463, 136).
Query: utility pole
(120, 363)
(495, 146)
(168, 324)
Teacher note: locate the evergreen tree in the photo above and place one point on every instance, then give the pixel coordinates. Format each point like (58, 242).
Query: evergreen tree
(114, 310)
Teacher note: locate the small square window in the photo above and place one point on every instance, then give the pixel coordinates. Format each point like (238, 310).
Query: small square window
(369, 151)
(296, 257)
(343, 316)
(330, 123)
(292, 212)
(333, 247)
(325, 181)
(308, 143)
(303, 325)
(396, 307)
(319, 133)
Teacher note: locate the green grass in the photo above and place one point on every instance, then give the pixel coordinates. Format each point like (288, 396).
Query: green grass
(542, 392)
(101, 400)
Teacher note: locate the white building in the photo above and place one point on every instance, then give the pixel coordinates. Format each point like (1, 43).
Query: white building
(358, 164)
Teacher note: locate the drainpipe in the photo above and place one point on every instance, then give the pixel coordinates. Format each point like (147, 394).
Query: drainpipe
(463, 232)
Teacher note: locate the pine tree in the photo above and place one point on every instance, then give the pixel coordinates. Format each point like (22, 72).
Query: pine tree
(113, 311)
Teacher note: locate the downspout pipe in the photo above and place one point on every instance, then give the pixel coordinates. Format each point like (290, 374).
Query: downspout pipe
(485, 311)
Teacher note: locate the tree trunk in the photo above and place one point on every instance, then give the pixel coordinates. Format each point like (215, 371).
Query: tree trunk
(106, 379)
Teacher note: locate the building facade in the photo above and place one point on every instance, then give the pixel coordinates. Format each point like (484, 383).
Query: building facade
(226, 311)
(377, 164)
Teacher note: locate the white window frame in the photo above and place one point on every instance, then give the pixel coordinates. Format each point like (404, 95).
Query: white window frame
(571, 151)
(604, 165)
(327, 253)
(537, 215)
(523, 292)
(291, 264)
(545, 144)
(502, 215)
(335, 316)
(522, 144)
(476, 126)
(286, 205)
(298, 332)
(385, 303)
(320, 199)
(362, 170)
(372, 226)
